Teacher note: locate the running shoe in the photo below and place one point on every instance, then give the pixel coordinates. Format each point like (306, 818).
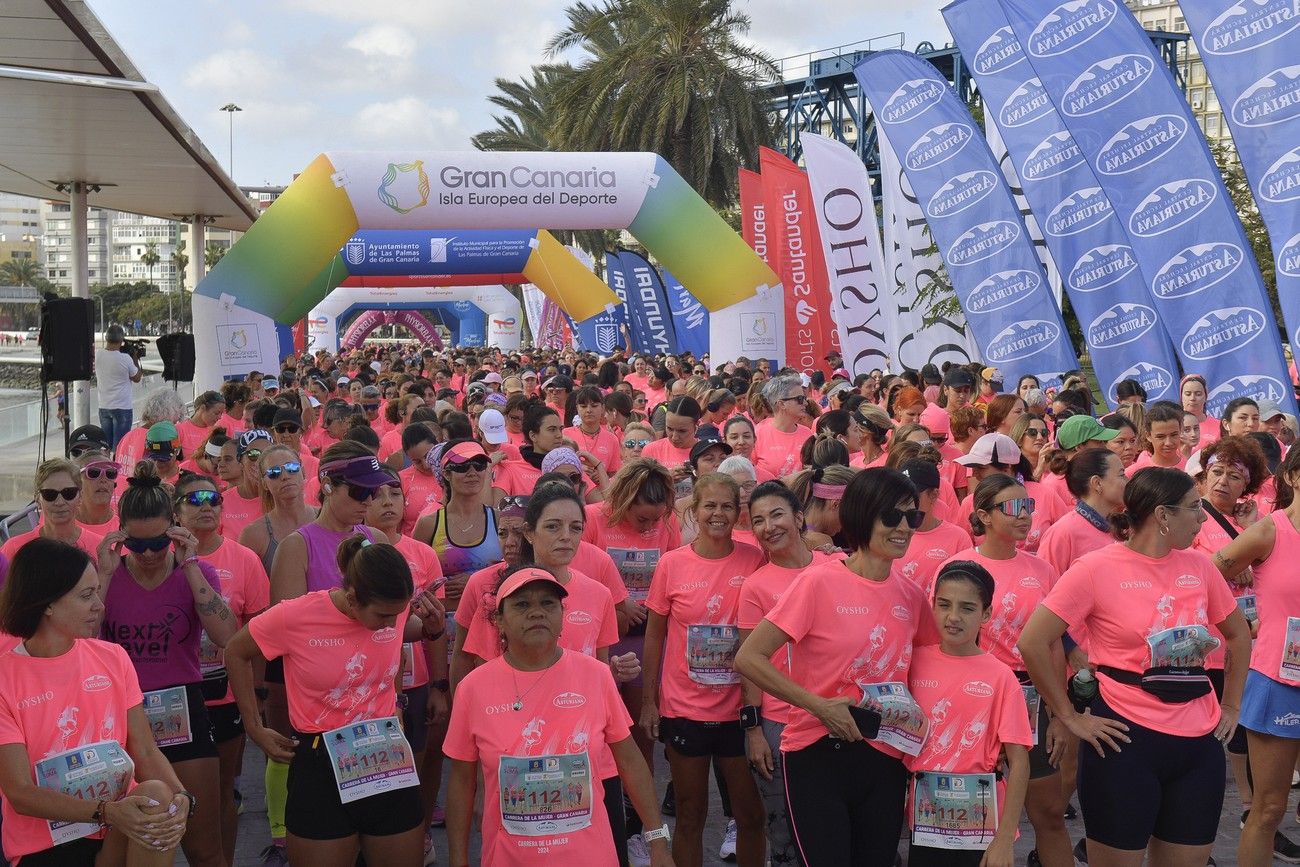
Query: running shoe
(430, 851)
(274, 856)
(439, 817)
(239, 803)
(1032, 859)
(1285, 849)
(1295, 779)
(669, 805)
(1071, 813)
(727, 851)
(638, 852)
(1081, 851)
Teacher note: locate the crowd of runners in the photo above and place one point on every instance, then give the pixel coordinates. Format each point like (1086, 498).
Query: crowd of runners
(884, 615)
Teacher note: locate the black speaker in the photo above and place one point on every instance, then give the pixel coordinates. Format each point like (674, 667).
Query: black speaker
(177, 353)
(67, 339)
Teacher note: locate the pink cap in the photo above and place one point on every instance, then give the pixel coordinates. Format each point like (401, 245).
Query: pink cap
(936, 419)
(492, 378)
(527, 576)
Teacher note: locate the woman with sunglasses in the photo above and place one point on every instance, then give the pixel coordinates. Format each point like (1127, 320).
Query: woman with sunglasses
(274, 471)
(247, 591)
(778, 524)
(58, 493)
(1151, 766)
(341, 651)
(852, 626)
(778, 440)
(425, 695)
(636, 436)
(63, 804)
(692, 705)
(159, 596)
(1001, 520)
(97, 509)
(463, 531)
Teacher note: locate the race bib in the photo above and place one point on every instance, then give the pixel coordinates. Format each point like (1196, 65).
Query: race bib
(211, 658)
(370, 757)
(168, 712)
(1248, 607)
(710, 652)
(545, 795)
(903, 725)
(1181, 646)
(1290, 669)
(954, 811)
(637, 567)
(1032, 700)
(99, 772)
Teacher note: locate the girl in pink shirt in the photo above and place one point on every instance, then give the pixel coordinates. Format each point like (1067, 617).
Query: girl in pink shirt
(778, 524)
(58, 492)
(238, 510)
(977, 713)
(852, 626)
(541, 706)
(1096, 480)
(74, 737)
(1266, 553)
(591, 435)
(1002, 517)
(1151, 756)
(352, 779)
(692, 705)
(935, 540)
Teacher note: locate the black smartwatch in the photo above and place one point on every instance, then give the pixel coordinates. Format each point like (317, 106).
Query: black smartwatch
(194, 802)
(443, 685)
(750, 718)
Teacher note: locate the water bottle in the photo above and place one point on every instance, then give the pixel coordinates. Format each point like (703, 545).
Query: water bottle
(1085, 686)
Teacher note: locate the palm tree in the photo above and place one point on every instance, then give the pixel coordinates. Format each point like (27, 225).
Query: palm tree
(526, 126)
(669, 76)
(213, 253)
(20, 272)
(150, 258)
(181, 262)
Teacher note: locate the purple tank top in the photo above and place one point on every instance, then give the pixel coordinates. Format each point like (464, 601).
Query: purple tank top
(322, 554)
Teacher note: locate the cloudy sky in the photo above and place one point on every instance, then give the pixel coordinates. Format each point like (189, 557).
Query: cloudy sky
(317, 75)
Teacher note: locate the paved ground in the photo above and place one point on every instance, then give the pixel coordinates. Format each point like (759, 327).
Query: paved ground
(253, 834)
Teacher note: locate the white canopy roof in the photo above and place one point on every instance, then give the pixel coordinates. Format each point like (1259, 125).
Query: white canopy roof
(112, 129)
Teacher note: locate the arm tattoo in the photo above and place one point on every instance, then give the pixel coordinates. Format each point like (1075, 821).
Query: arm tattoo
(216, 605)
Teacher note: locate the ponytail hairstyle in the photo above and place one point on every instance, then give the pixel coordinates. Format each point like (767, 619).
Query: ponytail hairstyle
(982, 499)
(803, 482)
(374, 571)
(1286, 476)
(1083, 466)
(1149, 489)
(146, 497)
(905, 451)
(824, 450)
(968, 570)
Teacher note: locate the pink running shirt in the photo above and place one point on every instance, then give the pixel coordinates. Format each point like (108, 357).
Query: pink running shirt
(778, 452)
(926, 553)
(1277, 593)
(247, 591)
(589, 621)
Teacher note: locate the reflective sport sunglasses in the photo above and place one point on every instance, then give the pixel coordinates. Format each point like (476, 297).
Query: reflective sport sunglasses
(108, 470)
(893, 517)
(1014, 506)
(512, 502)
(478, 464)
(49, 495)
(154, 543)
(288, 467)
(253, 455)
(203, 498)
(635, 444)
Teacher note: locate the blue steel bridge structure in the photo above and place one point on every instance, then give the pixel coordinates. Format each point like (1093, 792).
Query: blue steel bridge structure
(818, 92)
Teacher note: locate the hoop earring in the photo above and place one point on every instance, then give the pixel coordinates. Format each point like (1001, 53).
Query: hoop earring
(1164, 529)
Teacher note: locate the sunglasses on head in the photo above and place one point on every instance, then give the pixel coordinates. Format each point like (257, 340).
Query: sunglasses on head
(479, 464)
(512, 502)
(1014, 506)
(203, 498)
(253, 455)
(49, 495)
(287, 428)
(893, 517)
(109, 471)
(154, 543)
(289, 467)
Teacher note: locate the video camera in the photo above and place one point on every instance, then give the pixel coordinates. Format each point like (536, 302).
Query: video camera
(134, 348)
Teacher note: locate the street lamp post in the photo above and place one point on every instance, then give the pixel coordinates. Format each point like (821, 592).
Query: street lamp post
(230, 108)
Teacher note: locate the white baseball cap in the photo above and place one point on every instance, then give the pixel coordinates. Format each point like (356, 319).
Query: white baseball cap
(492, 425)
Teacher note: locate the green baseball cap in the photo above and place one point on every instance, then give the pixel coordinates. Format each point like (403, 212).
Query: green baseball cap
(1079, 429)
(162, 442)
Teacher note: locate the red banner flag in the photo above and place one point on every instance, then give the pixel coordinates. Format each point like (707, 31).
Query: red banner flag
(795, 253)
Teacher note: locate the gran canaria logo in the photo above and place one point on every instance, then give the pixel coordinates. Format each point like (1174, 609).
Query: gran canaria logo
(410, 199)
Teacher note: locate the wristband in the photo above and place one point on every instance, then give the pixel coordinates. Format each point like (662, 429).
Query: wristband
(443, 685)
(188, 560)
(750, 718)
(98, 817)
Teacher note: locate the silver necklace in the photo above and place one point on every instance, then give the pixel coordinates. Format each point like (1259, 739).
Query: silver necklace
(514, 676)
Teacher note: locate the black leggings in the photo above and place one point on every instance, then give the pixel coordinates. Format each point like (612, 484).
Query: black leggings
(617, 818)
(846, 803)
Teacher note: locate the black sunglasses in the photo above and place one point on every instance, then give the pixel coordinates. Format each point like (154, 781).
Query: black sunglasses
(49, 495)
(287, 428)
(479, 464)
(893, 517)
(155, 543)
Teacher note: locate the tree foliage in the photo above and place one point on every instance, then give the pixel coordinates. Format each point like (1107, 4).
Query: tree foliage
(1243, 199)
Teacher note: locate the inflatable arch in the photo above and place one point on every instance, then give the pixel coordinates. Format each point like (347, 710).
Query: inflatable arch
(475, 315)
(266, 278)
(367, 322)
